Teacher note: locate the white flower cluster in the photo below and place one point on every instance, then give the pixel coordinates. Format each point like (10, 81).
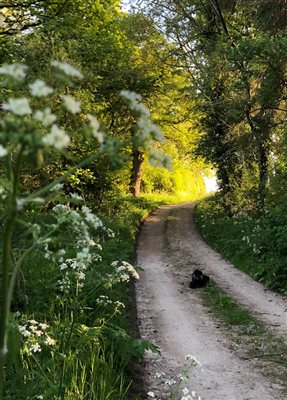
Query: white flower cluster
(186, 394)
(19, 106)
(95, 126)
(104, 300)
(117, 306)
(14, 71)
(36, 336)
(146, 129)
(3, 151)
(86, 251)
(46, 116)
(57, 138)
(73, 273)
(91, 218)
(193, 360)
(71, 104)
(189, 395)
(123, 271)
(40, 89)
(147, 133)
(67, 69)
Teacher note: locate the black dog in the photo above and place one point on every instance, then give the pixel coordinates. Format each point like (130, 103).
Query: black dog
(198, 279)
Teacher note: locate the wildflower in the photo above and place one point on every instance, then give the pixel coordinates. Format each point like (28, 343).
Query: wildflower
(19, 106)
(151, 394)
(35, 348)
(90, 217)
(170, 382)
(57, 187)
(45, 116)
(15, 71)
(185, 391)
(67, 69)
(3, 151)
(95, 125)
(24, 331)
(43, 326)
(131, 270)
(192, 359)
(32, 322)
(20, 204)
(57, 138)
(40, 397)
(131, 96)
(2, 20)
(119, 304)
(159, 374)
(75, 196)
(38, 332)
(4, 350)
(71, 104)
(39, 88)
(49, 341)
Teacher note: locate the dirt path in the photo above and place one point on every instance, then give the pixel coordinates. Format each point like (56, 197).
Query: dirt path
(171, 315)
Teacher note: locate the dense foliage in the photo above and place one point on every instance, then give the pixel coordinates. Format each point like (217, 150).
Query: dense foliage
(87, 92)
(235, 53)
(254, 242)
(203, 81)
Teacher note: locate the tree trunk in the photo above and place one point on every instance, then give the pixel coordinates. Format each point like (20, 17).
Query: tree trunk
(136, 173)
(263, 174)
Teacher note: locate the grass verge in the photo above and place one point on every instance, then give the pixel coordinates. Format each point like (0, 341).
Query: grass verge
(255, 244)
(76, 344)
(250, 338)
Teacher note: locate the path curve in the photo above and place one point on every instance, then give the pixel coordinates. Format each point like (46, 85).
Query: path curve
(171, 315)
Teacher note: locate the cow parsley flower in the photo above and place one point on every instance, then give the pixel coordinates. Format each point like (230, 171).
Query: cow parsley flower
(39, 88)
(131, 96)
(56, 138)
(49, 341)
(35, 348)
(71, 104)
(2, 20)
(19, 106)
(15, 71)
(135, 103)
(24, 331)
(95, 125)
(68, 69)
(57, 187)
(193, 360)
(46, 116)
(3, 151)
(76, 196)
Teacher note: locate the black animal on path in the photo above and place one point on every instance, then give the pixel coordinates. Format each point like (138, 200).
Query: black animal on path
(198, 279)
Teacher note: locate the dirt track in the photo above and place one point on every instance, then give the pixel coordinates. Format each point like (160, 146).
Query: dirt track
(171, 315)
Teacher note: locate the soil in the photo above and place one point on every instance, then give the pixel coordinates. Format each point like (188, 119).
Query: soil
(171, 315)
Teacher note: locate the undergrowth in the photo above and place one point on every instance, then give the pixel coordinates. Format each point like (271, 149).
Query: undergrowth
(254, 243)
(250, 337)
(76, 346)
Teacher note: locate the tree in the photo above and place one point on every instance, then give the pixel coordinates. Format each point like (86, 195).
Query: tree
(237, 71)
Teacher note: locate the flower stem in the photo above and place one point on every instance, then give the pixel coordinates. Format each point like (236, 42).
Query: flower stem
(6, 260)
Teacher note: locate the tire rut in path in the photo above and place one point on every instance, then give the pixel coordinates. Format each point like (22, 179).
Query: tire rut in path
(174, 318)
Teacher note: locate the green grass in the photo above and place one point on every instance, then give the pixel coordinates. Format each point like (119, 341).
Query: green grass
(256, 244)
(94, 346)
(251, 339)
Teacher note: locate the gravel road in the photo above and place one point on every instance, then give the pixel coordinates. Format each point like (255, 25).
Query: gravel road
(172, 316)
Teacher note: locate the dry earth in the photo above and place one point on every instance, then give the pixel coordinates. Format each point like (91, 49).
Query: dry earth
(172, 316)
